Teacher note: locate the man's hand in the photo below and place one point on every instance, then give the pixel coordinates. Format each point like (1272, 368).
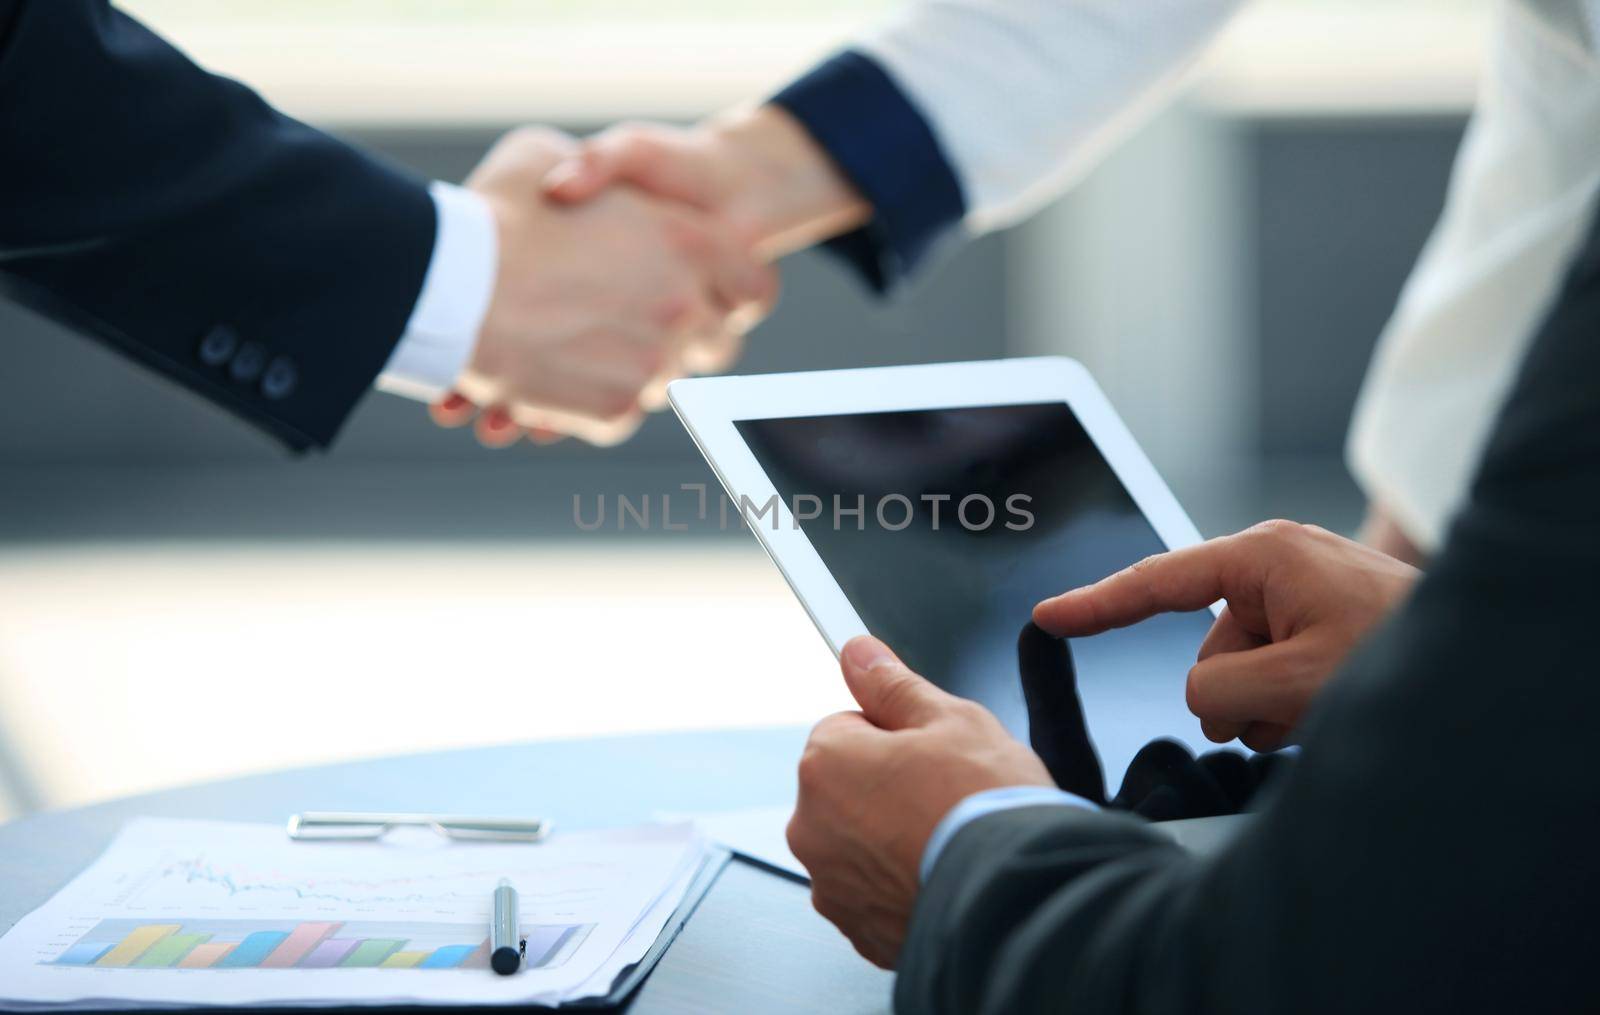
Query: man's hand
(596, 307)
(1299, 599)
(757, 170)
(875, 783)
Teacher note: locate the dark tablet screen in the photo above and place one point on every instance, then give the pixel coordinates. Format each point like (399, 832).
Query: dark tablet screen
(944, 527)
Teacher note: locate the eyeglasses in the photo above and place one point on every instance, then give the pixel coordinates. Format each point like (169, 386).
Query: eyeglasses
(344, 826)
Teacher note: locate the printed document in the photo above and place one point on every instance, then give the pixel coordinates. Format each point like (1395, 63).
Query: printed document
(190, 913)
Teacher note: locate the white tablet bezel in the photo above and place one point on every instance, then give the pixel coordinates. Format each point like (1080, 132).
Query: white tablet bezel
(709, 407)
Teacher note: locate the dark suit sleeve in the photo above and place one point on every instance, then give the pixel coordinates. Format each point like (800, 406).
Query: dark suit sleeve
(1433, 850)
(886, 146)
(175, 216)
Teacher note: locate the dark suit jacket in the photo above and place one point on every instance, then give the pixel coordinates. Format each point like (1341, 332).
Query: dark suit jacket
(1437, 848)
(173, 215)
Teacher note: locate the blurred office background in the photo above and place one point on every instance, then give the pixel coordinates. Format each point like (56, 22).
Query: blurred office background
(179, 600)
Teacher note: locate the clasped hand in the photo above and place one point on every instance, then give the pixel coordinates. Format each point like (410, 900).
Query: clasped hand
(596, 306)
(636, 257)
(875, 783)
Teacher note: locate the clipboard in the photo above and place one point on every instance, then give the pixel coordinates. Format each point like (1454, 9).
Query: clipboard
(633, 977)
(627, 982)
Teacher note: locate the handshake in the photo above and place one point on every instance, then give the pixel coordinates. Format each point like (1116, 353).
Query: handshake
(631, 259)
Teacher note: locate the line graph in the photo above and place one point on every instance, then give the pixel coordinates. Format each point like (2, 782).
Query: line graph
(197, 880)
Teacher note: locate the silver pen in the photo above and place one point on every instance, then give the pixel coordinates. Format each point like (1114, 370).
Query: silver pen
(505, 952)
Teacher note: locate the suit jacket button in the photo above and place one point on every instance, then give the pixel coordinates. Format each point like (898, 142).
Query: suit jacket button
(248, 362)
(218, 346)
(280, 378)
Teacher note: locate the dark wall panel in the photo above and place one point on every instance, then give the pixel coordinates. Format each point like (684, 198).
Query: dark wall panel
(1344, 208)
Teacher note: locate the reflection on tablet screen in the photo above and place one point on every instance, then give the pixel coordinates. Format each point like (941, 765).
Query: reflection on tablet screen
(944, 527)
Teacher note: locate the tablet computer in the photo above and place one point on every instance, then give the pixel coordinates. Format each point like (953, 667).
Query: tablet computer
(933, 506)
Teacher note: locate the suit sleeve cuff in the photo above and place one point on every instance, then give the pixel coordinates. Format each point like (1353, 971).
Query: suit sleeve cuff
(888, 149)
(988, 802)
(443, 329)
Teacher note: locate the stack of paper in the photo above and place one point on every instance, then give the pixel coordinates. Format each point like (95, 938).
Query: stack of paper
(203, 913)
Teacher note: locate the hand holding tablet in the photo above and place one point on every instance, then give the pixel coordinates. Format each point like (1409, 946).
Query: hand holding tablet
(934, 506)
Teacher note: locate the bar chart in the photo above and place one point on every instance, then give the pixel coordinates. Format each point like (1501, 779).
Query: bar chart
(259, 944)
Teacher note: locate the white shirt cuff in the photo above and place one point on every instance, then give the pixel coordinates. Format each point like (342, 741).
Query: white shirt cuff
(988, 802)
(443, 329)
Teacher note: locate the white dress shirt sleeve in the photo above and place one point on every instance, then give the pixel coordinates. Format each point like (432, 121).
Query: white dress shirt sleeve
(1524, 189)
(988, 802)
(1025, 94)
(443, 329)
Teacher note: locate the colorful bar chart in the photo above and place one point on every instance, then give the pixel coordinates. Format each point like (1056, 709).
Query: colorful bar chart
(254, 950)
(226, 945)
(206, 955)
(298, 945)
(169, 950)
(329, 953)
(372, 952)
(136, 943)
